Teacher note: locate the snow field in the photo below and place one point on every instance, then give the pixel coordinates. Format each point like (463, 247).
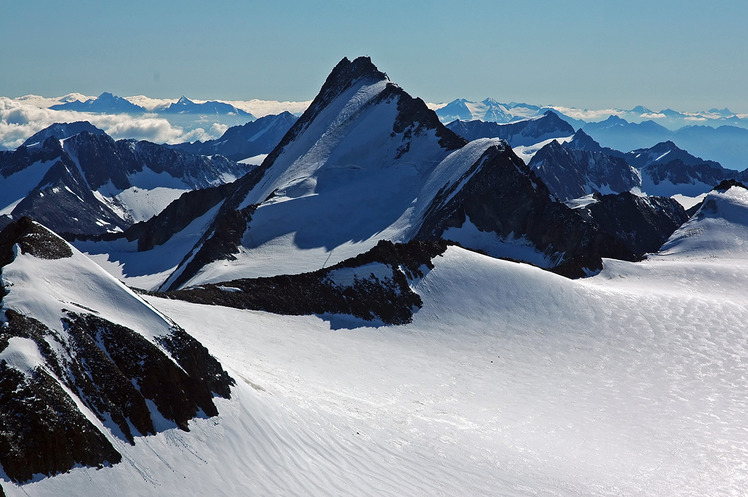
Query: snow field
(509, 381)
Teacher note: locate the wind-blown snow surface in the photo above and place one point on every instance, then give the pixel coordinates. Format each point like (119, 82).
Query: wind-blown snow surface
(509, 381)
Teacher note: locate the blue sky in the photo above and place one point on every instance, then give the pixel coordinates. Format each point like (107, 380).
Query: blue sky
(659, 53)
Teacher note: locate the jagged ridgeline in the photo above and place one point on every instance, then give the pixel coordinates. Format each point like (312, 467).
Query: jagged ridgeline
(87, 183)
(85, 364)
(374, 286)
(368, 162)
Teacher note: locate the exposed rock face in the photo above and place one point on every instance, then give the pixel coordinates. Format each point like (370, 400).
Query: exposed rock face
(412, 121)
(725, 185)
(112, 370)
(665, 168)
(24, 156)
(102, 160)
(251, 139)
(177, 216)
(65, 185)
(414, 118)
(643, 224)
(678, 172)
(571, 172)
(223, 238)
(42, 429)
(527, 132)
(373, 285)
(33, 239)
(63, 199)
(501, 195)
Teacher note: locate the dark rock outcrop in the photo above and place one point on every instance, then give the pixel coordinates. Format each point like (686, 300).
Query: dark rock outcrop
(569, 171)
(643, 224)
(43, 432)
(33, 239)
(65, 199)
(223, 237)
(177, 216)
(112, 370)
(24, 156)
(725, 185)
(500, 194)
(414, 117)
(385, 296)
(666, 163)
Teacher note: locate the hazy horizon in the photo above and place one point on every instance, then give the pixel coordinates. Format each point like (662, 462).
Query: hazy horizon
(584, 54)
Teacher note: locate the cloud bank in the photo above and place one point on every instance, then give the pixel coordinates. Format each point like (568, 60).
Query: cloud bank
(23, 116)
(20, 119)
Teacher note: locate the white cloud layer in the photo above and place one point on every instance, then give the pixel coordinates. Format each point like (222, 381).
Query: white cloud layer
(261, 108)
(587, 114)
(23, 116)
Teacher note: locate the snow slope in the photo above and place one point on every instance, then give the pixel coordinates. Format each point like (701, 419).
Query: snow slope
(43, 288)
(347, 179)
(146, 269)
(509, 381)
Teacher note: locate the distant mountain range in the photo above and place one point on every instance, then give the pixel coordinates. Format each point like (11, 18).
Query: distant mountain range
(249, 140)
(368, 212)
(519, 133)
(487, 110)
(76, 179)
(187, 106)
(727, 145)
(718, 134)
(494, 111)
(106, 103)
(582, 166)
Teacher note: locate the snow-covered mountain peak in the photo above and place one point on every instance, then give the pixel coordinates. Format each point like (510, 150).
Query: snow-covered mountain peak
(583, 141)
(86, 364)
(345, 74)
(360, 121)
(62, 131)
(368, 162)
(718, 229)
(44, 276)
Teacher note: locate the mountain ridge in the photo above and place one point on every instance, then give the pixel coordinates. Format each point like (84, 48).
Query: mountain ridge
(85, 363)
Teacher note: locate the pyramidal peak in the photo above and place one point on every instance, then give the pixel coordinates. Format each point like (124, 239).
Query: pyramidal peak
(369, 162)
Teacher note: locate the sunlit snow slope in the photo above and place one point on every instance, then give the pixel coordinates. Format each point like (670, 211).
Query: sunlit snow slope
(509, 381)
(348, 175)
